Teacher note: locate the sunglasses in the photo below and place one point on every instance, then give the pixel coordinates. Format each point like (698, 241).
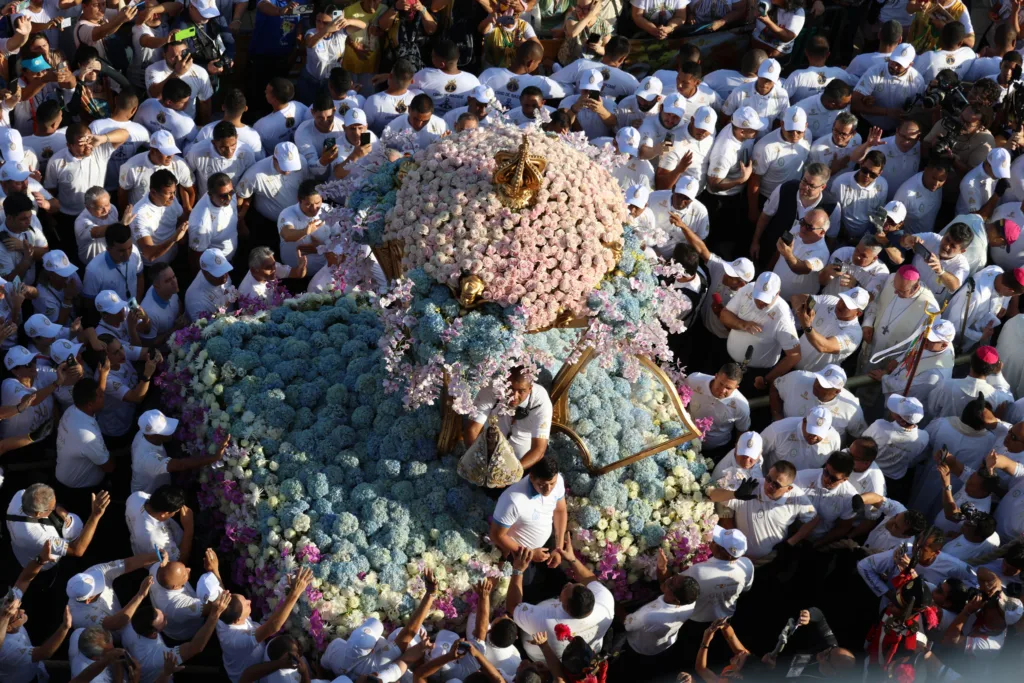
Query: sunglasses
(826, 474)
(812, 228)
(224, 195)
(869, 174)
(773, 484)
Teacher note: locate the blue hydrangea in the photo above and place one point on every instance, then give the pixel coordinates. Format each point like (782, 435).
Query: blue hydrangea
(588, 517)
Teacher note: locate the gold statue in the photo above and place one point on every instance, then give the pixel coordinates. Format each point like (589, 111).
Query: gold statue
(470, 289)
(518, 176)
(616, 249)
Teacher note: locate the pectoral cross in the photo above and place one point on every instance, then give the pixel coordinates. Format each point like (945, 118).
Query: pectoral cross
(885, 329)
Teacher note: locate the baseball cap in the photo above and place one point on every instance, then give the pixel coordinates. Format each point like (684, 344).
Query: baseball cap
(649, 88)
(335, 656)
(896, 211)
(628, 140)
(705, 118)
(1011, 232)
(16, 171)
(591, 79)
(208, 588)
(795, 118)
(819, 421)
(903, 54)
(482, 94)
(366, 636)
(687, 186)
(39, 325)
(36, 64)
(857, 297)
(214, 262)
(56, 261)
(907, 407)
(767, 287)
(831, 377)
(62, 349)
(749, 445)
(155, 422)
(1013, 610)
(746, 117)
(909, 273)
(770, 69)
(207, 8)
(742, 268)
(355, 117)
(444, 641)
(86, 585)
(163, 142)
(18, 356)
(638, 196)
(674, 104)
(999, 160)
(287, 156)
(987, 354)
(14, 148)
(942, 331)
(108, 301)
(732, 540)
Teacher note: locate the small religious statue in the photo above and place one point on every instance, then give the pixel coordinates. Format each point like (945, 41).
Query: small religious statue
(518, 176)
(471, 287)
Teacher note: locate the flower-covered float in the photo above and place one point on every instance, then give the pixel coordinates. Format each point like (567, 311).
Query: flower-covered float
(502, 249)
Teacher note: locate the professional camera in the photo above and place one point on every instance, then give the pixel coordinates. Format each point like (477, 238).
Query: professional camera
(947, 93)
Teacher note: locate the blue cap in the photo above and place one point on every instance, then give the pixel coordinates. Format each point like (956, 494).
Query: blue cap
(36, 64)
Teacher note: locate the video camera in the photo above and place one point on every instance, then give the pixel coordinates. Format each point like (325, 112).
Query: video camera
(947, 93)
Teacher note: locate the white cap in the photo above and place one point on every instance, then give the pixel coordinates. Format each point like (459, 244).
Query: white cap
(907, 407)
(795, 118)
(18, 356)
(208, 587)
(355, 117)
(207, 8)
(628, 140)
(687, 186)
(831, 377)
(86, 585)
(39, 325)
(214, 262)
(767, 287)
(13, 149)
(287, 156)
(770, 69)
(163, 142)
(1013, 610)
(62, 349)
(649, 88)
(14, 170)
(56, 261)
(444, 641)
(942, 331)
(674, 104)
(366, 636)
(746, 117)
(819, 421)
(732, 540)
(741, 268)
(638, 196)
(482, 94)
(155, 422)
(896, 211)
(335, 657)
(749, 445)
(705, 118)
(857, 297)
(999, 160)
(591, 79)
(903, 54)
(108, 301)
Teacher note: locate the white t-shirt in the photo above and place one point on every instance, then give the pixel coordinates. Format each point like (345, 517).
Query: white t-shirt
(784, 440)
(146, 531)
(831, 505)
(280, 125)
(213, 226)
(246, 135)
(682, 143)
(819, 119)
(769, 107)
(765, 522)
(90, 247)
(202, 298)
(976, 188)
(205, 160)
(778, 329)
(326, 54)
(858, 202)
(239, 647)
(197, 78)
(898, 448)
(725, 158)
(796, 389)
(778, 161)
(155, 116)
(654, 628)
(871, 277)
(811, 81)
(28, 538)
(45, 146)
(157, 222)
(956, 266)
(435, 128)
(520, 433)
(448, 91)
(80, 662)
(148, 652)
(271, 192)
(16, 659)
(528, 516)
(80, 450)
(181, 607)
(381, 107)
(729, 414)
(149, 465)
(814, 254)
(721, 584)
(930, 63)
(135, 174)
(889, 91)
(899, 165)
(550, 613)
(138, 135)
(162, 314)
(293, 217)
(791, 21)
(847, 332)
(35, 417)
(106, 604)
(70, 177)
(658, 12)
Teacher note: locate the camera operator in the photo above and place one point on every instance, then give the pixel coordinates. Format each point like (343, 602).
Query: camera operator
(812, 636)
(966, 148)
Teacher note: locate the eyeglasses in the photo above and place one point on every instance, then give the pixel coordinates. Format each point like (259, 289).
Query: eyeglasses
(869, 174)
(225, 195)
(827, 475)
(812, 228)
(806, 183)
(773, 484)
(841, 134)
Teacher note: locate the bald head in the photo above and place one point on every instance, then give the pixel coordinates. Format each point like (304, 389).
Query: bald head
(818, 219)
(173, 575)
(530, 55)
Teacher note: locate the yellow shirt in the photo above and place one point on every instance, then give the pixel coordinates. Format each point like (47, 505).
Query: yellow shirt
(351, 61)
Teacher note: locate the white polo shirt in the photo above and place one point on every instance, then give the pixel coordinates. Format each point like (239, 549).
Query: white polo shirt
(784, 440)
(769, 107)
(197, 78)
(381, 107)
(870, 277)
(118, 415)
(103, 273)
(80, 662)
(811, 81)
(181, 606)
(162, 314)
(271, 192)
(205, 160)
(35, 417)
(966, 550)
(730, 413)
(724, 162)
(246, 135)
(791, 21)
(721, 584)
(778, 329)
(956, 266)
(889, 91)
(699, 149)
(448, 91)
(796, 389)
(847, 332)
(28, 538)
(293, 217)
(550, 613)
(777, 161)
(280, 125)
(106, 604)
(157, 222)
(90, 247)
(250, 286)
(654, 628)
(146, 531)
(70, 177)
(238, 647)
(155, 116)
(858, 202)
(819, 119)
(814, 254)
(212, 226)
(898, 448)
(202, 298)
(148, 652)
(16, 659)
(930, 63)
(149, 465)
(81, 452)
(528, 516)
(765, 522)
(520, 433)
(824, 150)
(628, 113)
(976, 188)
(831, 505)
(881, 539)
(899, 165)
(435, 128)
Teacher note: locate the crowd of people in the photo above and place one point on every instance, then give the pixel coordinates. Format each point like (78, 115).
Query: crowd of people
(846, 224)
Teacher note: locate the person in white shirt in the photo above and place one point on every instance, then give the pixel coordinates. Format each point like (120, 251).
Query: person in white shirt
(658, 19)
(264, 271)
(811, 80)
(859, 266)
(447, 86)
(125, 106)
(801, 259)
(527, 429)
(222, 153)
(778, 157)
(167, 112)
(393, 101)
(325, 45)
(58, 288)
(302, 229)
(688, 152)
(420, 121)
(776, 31)
(660, 130)
(730, 165)
(806, 441)
(644, 103)
(860, 194)
(177, 62)
(742, 462)
(975, 310)
(688, 86)
(234, 108)
(82, 458)
(31, 539)
(214, 220)
(92, 647)
(48, 137)
(271, 185)
(160, 222)
(531, 110)
(902, 153)
(895, 525)
(969, 527)
(317, 138)
(36, 419)
(824, 107)
(952, 396)
(286, 114)
(91, 597)
(718, 397)
(80, 166)
(162, 305)
(922, 195)
(830, 492)
(866, 477)
(788, 205)
(24, 243)
(211, 290)
(593, 110)
(135, 174)
(952, 54)
(981, 182)
(797, 393)
(654, 628)
(674, 212)
(151, 466)
(531, 515)
(946, 267)
(151, 524)
(634, 171)
(831, 331)
(933, 565)
(883, 89)
(835, 151)
(480, 99)
(324, 280)
(174, 596)
(119, 268)
(765, 96)
(764, 513)
(91, 225)
(757, 316)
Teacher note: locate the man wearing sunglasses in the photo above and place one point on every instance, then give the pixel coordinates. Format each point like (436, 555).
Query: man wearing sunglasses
(902, 153)
(798, 392)
(214, 220)
(801, 260)
(787, 205)
(860, 194)
(832, 495)
(805, 441)
(946, 267)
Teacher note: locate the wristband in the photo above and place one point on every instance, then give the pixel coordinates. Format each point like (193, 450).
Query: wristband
(517, 572)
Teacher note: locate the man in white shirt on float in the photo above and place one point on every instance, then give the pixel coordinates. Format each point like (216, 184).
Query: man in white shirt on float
(419, 121)
(211, 289)
(719, 398)
(758, 317)
(805, 441)
(765, 96)
(151, 466)
(527, 427)
(654, 628)
(831, 331)
(886, 86)
(82, 457)
(797, 393)
(778, 157)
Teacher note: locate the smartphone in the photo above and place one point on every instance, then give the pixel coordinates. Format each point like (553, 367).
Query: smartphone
(463, 648)
(593, 39)
(364, 139)
(787, 237)
(922, 251)
(71, 362)
(132, 304)
(140, 5)
(17, 282)
(810, 304)
(184, 33)
(593, 94)
(670, 139)
(65, 22)
(506, 21)
(331, 143)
